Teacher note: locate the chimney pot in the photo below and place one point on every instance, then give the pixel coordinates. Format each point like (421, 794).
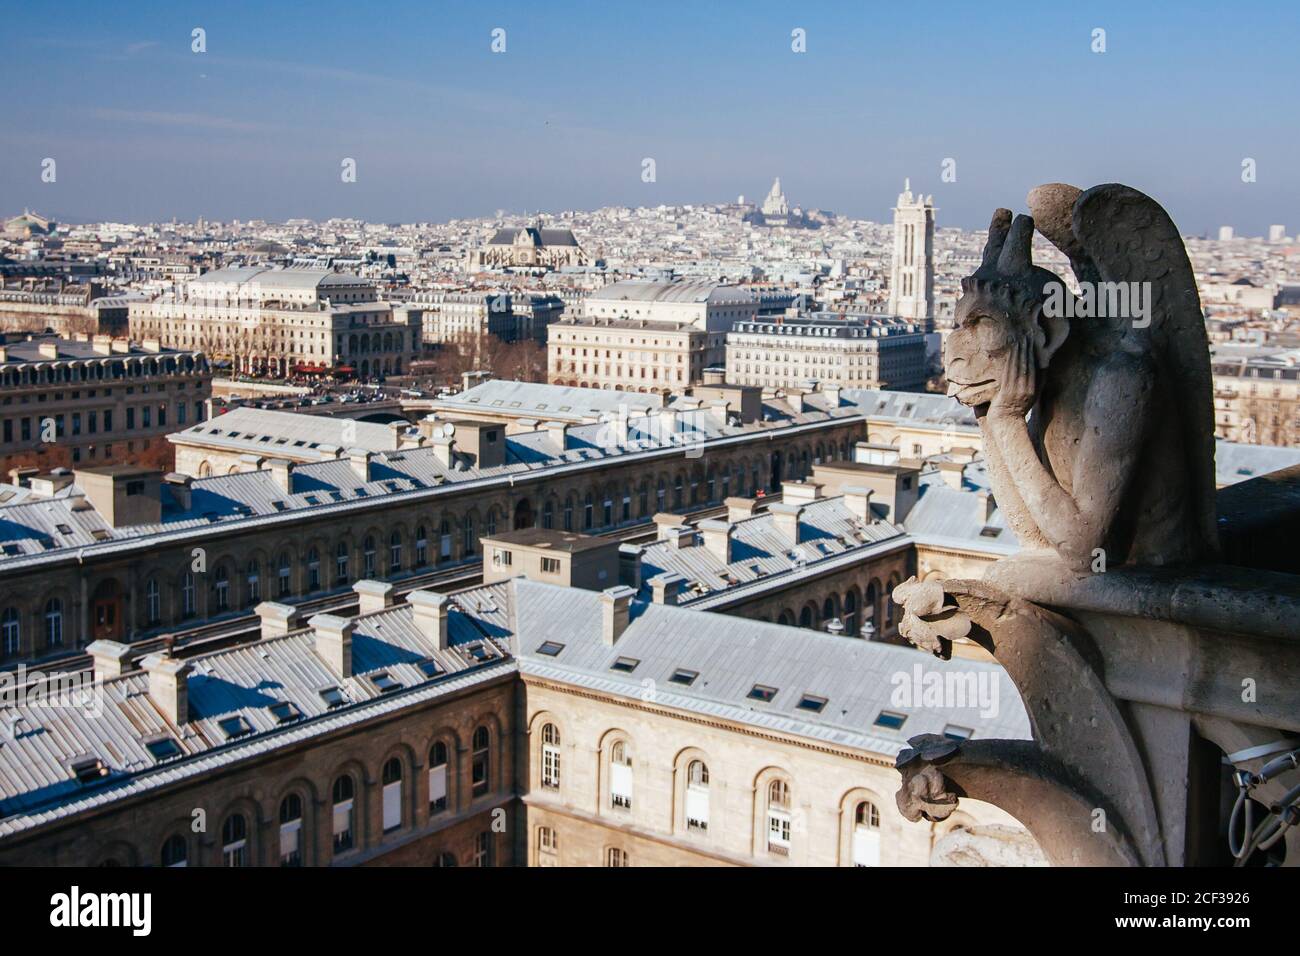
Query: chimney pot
(665, 588)
(717, 536)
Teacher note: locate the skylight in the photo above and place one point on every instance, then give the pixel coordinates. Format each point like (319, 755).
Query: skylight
(385, 683)
(625, 664)
(761, 692)
(285, 711)
(953, 732)
(332, 696)
(236, 726)
(550, 648)
(684, 677)
(891, 720)
(812, 703)
(162, 748)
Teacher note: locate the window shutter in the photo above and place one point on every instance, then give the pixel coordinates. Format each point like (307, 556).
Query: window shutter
(697, 805)
(620, 781)
(392, 805)
(438, 783)
(866, 847)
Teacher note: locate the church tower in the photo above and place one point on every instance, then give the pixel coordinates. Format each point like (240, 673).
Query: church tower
(911, 281)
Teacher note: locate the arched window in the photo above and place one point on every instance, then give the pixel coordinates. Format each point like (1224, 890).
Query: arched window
(253, 581)
(778, 818)
(291, 830)
(548, 515)
(467, 536)
(187, 594)
(11, 629)
(438, 777)
(444, 540)
(392, 781)
(368, 557)
(343, 803)
(866, 834)
(234, 841)
(395, 552)
(421, 547)
(152, 601)
(697, 796)
(53, 623)
(221, 589)
(313, 569)
(806, 617)
(282, 580)
(492, 521)
(551, 757)
(615, 857)
(175, 852)
(620, 775)
(480, 766)
(341, 564)
(588, 512)
(568, 514)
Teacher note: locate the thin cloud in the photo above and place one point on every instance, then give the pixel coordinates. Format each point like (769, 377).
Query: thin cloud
(179, 120)
(140, 47)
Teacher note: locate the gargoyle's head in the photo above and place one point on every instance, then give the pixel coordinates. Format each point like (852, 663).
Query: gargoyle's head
(1001, 304)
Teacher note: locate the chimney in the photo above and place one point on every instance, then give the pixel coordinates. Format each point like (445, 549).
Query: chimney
(111, 659)
(715, 376)
(102, 344)
(786, 518)
(277, 619)
(985, 506)
(832, 393)
(718, 412)
(629, 565)
(444, 450)
(951, 473)
(618, 428)
(334, 643)
(373, 595)
(151, 345)
(717, 539)
(429, 610)
(169, 685)
(282, 474)
(359, 459)
(667, 424)
(664, 588)
(395, 432)
(667, 525)
(858, 501)
(49, 350)
(121, 345)
(796, 402)
(4, 353)
(739, 509)
(558, 432)
(800, 492)
(616, 603)
(179, 485)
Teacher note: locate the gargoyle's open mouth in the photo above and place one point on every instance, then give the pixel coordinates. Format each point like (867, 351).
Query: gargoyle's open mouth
(964, 390)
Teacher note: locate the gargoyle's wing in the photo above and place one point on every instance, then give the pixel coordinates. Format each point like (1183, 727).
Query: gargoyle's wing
(1126, 236)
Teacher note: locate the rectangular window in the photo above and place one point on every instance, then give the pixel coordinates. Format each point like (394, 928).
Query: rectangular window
(483, 849)
(550, 565)
(290, 843)
(620, 785)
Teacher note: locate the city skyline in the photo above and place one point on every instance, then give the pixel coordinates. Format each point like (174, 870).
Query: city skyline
(441, 127)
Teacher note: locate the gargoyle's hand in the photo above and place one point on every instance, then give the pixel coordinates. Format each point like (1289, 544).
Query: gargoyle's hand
(928, 620)
(1019, 387)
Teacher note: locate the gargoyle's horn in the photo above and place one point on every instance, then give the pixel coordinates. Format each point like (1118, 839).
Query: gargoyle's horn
(997, 236)
(1016, 256)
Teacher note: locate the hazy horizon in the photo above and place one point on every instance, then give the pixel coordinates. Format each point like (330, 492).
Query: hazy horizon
(143, 129)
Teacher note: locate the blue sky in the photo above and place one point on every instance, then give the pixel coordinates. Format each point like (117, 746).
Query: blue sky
(143, 128)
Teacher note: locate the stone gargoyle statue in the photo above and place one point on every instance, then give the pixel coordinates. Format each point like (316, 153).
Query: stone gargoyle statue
(1097, 417)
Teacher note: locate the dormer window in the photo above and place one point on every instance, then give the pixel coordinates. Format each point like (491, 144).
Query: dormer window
(88, 770)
